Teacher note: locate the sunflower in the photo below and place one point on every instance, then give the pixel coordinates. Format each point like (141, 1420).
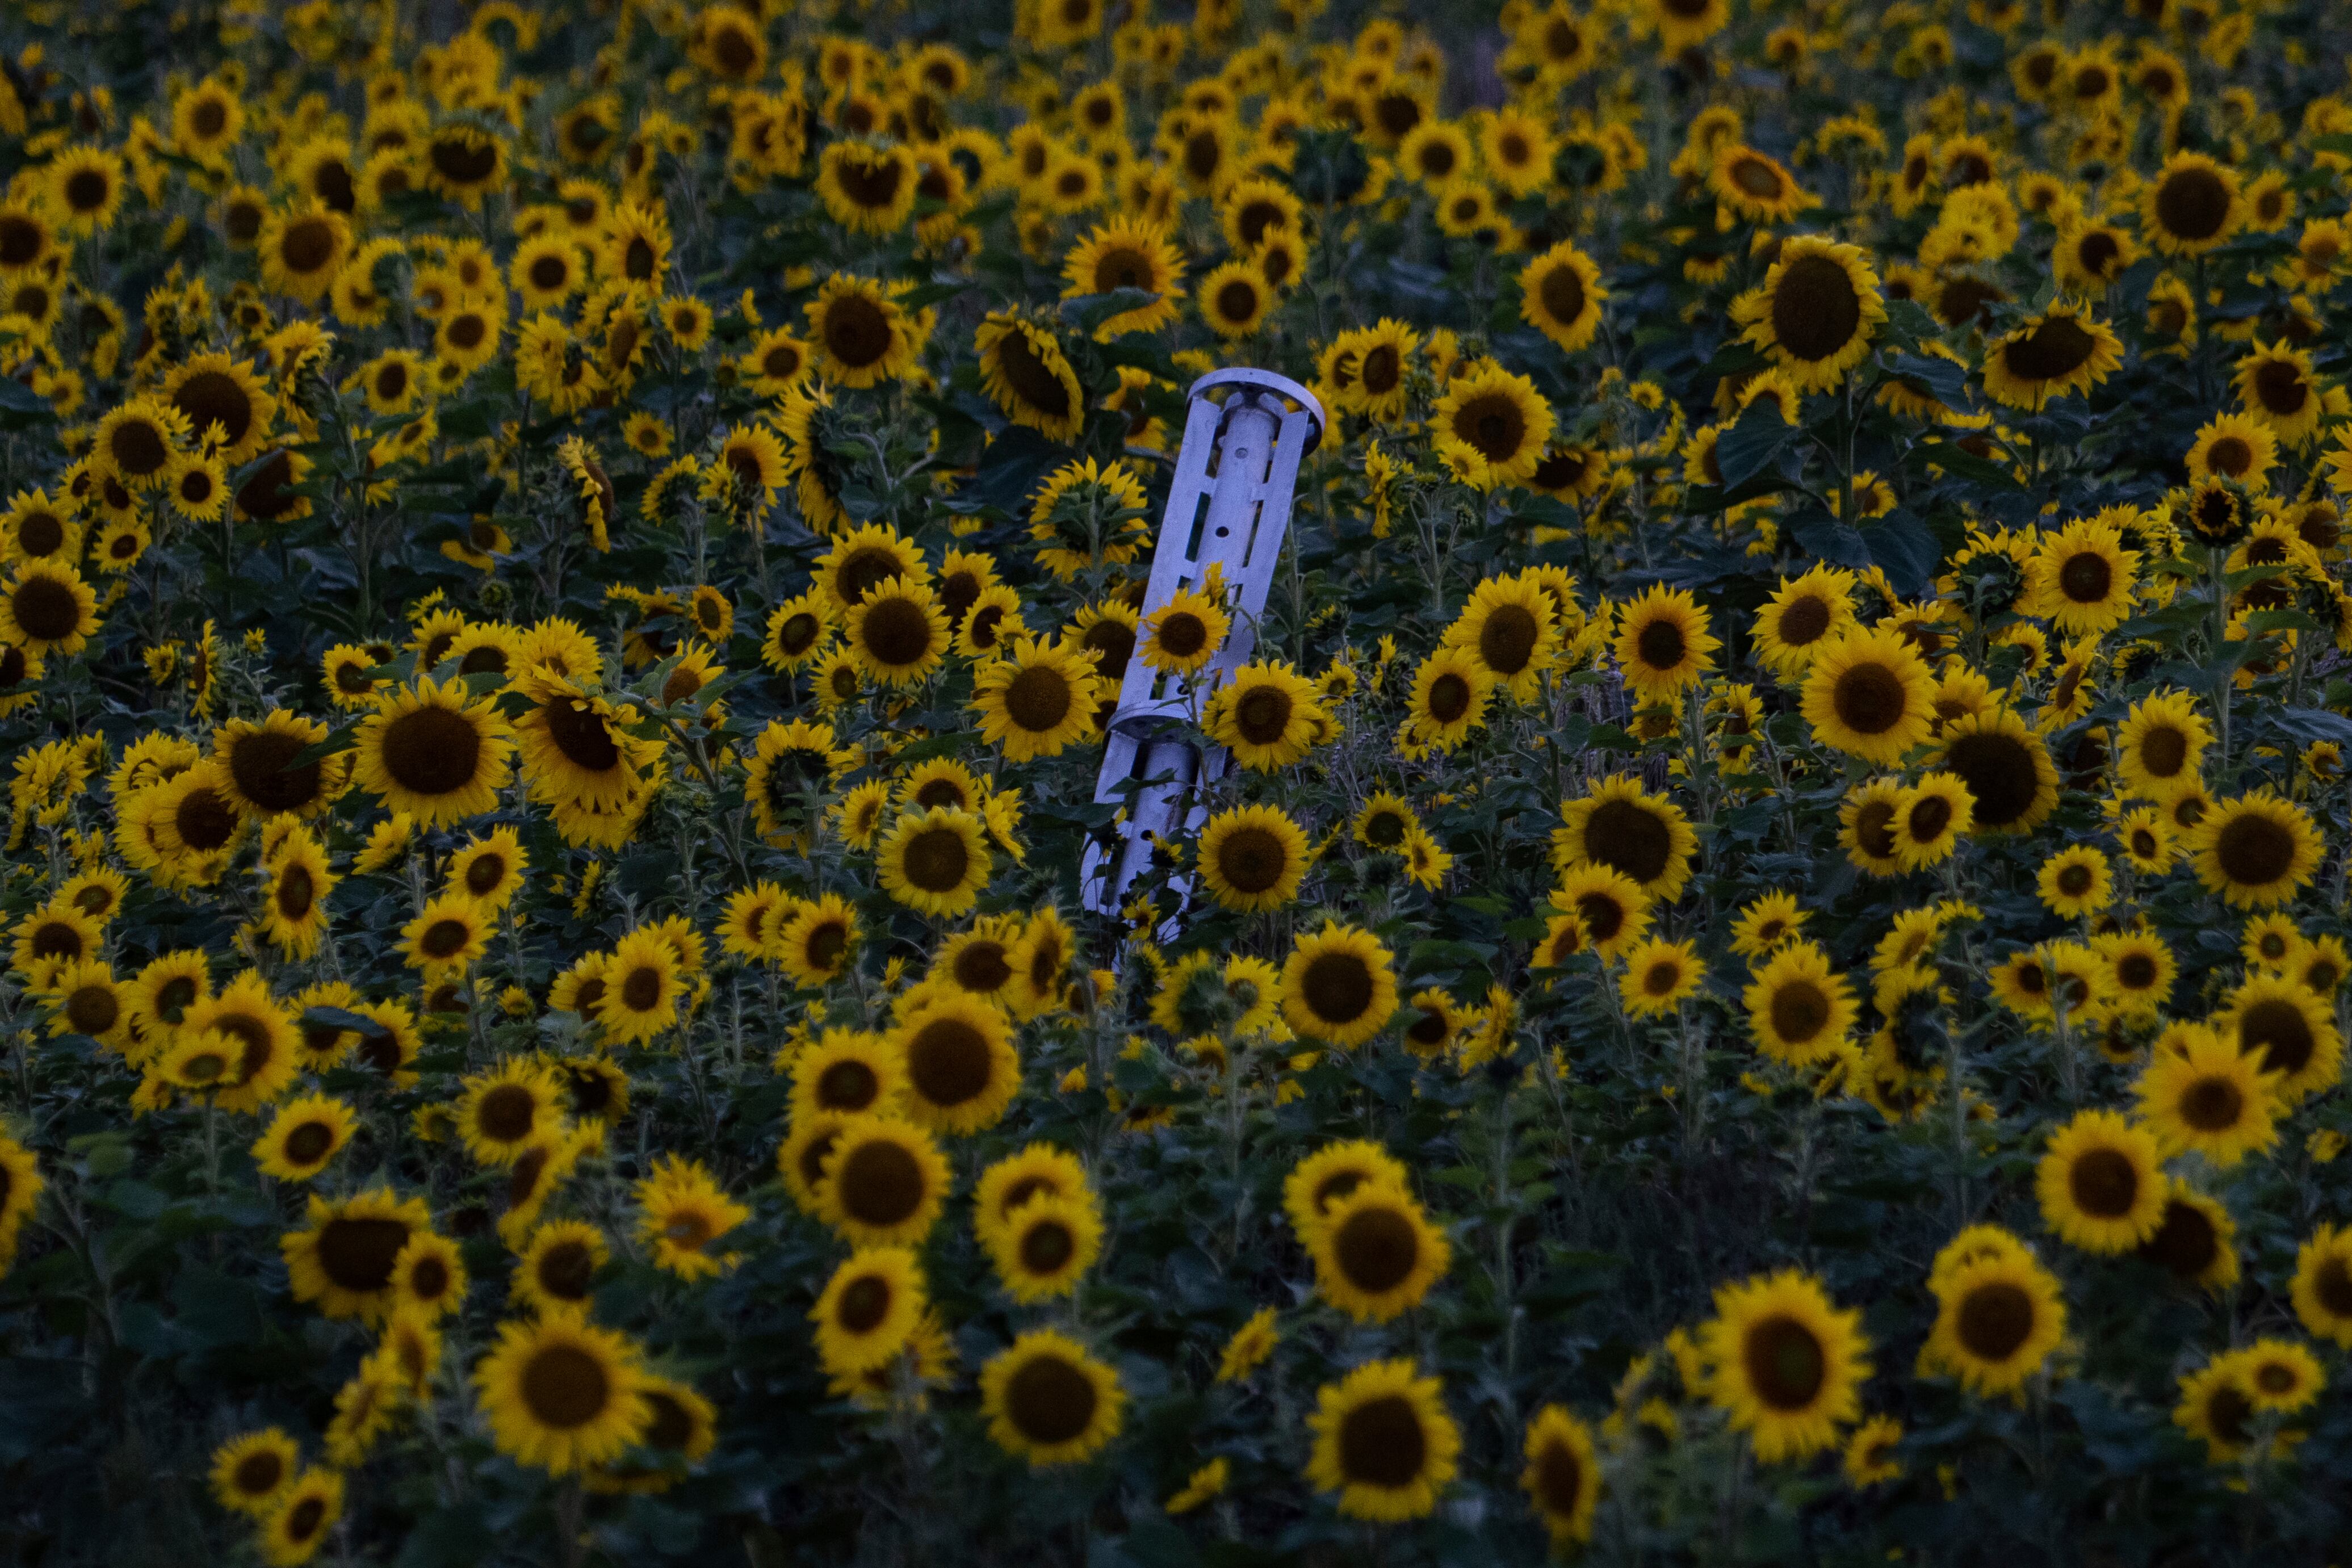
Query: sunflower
(1785, 1364)
(2277, 385)
(2061, 350)
(817, 942)
(302, 248)
(212, 389)
(1816, 312)
(848, 1070)
(1036, 701)
(1929, 818)
(1234, 299)
(433, 753)
(1024, 368)
(464, 162)
(1560, 296)
(961, 1068)
(561, 1393)
(303, 1136)
(2075, 881)
(881, 1181)
(1184, 634)
(2191, 207)
(898, 634)
(1492, 428)
(1253, 858)
(868, 1311)
(2101, 1184)
(252, 1471)
(682, 1211)
(2080, 579)
(1041, 1247)
(2257, 851)
(2194, 1244)
(1384, 1442)
(1869, 693)
(936, 861)
(1338, 986)
(1663, 644)
(1799, 1009)
(1805, 615)
(2006, 767)
(1266, 715)
(860, 334)
(867, 187)
(429, 1276)
(343, 1259)
(644, 983)
(1998, 1319)
(2200, 1091)
(1048, 1401)
(2289, 1029)
(1449, 698)
(297, 1523)
(1375, 1252)
(2321, 1288)
(1127, 253)
(1618, 825)
(557, 1266)
(1608, 911)
(1659, 976)
(1755, 188)
(1562, 1479)
(502, 1112)
(2162, 744)
(266, 1041)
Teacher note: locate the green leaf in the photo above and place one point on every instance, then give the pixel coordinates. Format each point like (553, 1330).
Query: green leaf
(1742, 451)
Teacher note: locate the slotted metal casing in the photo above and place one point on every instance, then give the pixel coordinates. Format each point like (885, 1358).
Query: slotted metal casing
(1236, 475)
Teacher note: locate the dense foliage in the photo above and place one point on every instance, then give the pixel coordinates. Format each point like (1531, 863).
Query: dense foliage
(1758, 971)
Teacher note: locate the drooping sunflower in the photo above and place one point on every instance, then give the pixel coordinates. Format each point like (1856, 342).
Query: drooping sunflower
(2059, 351)
(1755, 187)
(868, 1309)
(1999, 1318)
(2006, 767)
(561, 1393)
(1492, 428)
(1785, 1364)
(2102, 1184)
(1817, 311)
(1663, 644)
(1799, 1009)
(1050, 1402)
(2257, 851)
(434, 753)
(1338, 986)
(882, 1182)
(1024, 368)
(1383, 1442)
(1376, 1252)
(1253, 858)
(1560, 296)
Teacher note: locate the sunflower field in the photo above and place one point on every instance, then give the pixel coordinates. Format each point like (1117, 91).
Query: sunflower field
(1754, 970)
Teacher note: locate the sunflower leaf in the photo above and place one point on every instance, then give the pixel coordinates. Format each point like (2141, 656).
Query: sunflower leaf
(1742, 451)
